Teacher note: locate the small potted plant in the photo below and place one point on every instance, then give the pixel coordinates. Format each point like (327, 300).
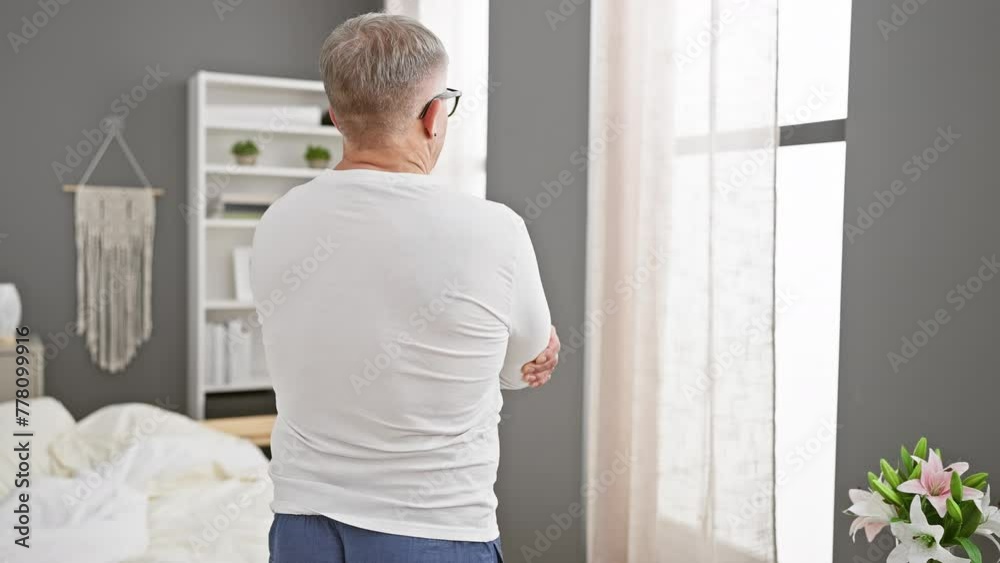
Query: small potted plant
(317, 156)
(246, 152)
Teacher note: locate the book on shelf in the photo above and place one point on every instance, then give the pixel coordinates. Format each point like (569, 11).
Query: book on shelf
(241, 274)
(229, 354)
(239, 357)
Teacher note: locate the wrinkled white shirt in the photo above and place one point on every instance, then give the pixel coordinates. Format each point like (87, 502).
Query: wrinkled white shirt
(394, 310)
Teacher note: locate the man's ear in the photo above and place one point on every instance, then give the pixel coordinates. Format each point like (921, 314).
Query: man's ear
(333, 118)
(430, 119)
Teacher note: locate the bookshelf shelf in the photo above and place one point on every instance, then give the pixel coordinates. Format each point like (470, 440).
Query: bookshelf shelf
(270, 171)
(218, 103)
(229, 306)
(224, 223)
(303, 130)
(245, 387)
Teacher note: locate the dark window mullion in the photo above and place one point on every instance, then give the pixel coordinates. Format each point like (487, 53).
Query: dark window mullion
(798, 134)
(812, 133)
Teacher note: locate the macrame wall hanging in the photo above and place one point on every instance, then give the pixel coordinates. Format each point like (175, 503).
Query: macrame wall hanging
(114, 261)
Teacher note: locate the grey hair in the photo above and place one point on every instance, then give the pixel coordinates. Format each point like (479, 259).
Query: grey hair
(373, 66)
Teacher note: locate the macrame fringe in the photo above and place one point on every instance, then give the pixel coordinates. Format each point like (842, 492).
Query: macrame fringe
(114, 244)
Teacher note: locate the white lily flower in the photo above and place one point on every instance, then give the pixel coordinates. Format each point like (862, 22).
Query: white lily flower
(990, 525)
(919, 542)
(872, 512)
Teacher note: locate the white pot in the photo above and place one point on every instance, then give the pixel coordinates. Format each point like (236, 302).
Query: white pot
(10, 310)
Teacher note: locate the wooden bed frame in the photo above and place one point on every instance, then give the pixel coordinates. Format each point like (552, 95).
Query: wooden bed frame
(257, 429)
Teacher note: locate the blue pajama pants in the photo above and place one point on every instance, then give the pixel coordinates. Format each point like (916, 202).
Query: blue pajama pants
(316, 539)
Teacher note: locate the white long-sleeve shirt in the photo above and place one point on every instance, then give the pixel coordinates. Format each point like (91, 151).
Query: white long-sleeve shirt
(394, 310)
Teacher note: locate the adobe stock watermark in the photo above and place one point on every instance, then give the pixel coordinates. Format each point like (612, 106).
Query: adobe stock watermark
(473, 101)
(228, 513)
(624, 289)
(216, 183)
(914, 169)
(791, 465)
(292, 278)
(697, 44)
(120, 107)
(957, 298)
(103, 473)
(757, 159)
(563, 12)
(224, 7)
(32, 25)
(419, 321)
(878, 550)
(563, 521)
(901, 13)
(56, 342)
(580, 159)
(469, 447)
(755, 331)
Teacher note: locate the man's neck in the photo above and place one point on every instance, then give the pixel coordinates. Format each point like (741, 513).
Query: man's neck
(385, 159)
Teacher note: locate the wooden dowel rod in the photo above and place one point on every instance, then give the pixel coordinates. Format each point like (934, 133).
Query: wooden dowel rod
(72, 188)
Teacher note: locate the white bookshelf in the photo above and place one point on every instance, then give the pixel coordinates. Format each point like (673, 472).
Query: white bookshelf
(223, 109)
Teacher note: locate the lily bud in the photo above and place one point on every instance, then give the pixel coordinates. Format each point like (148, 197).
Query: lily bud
(954, 511)
(890, 474)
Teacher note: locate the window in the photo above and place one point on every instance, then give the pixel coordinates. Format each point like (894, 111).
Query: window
(812, 107)
(463, 27)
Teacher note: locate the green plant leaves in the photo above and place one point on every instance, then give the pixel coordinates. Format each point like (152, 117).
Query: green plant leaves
(920, 450)
(890, 474)
(977, 481)
(888, 493)
(954, 510)
(971, 519)
(971, 549)
(906, 460)
(956, 486)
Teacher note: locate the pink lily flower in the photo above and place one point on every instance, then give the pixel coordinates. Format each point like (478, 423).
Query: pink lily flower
(935, 482)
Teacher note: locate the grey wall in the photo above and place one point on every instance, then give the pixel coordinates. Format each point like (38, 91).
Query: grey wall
(938, 70)
(67, 77)
(537, 121)
(63, 81)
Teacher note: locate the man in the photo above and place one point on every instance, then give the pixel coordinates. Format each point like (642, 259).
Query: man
(402, 308)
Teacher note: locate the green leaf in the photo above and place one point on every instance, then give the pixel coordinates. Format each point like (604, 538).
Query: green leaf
(971, 519)
(920, 450)
(887, 492)
(954, 511)
(977, 481)
(951, 528)
(938, 451)
(956, 486)
(907, 461)
(890, 474)
(915, 474)
(972, 550)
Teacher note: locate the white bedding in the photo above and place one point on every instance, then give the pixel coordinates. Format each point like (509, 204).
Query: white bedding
(139, 484)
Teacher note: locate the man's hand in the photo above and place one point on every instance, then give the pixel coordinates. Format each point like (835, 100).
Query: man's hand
(539, 371)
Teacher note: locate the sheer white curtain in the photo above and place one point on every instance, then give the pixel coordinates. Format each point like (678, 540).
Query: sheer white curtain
(463, 27)
(680, 417)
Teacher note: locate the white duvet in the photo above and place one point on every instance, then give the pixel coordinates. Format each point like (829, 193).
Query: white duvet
(139, 484)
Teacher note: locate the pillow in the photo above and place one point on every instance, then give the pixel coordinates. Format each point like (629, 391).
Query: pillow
(49, 419)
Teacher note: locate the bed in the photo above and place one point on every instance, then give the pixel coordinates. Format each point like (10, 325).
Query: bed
(134, 483)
